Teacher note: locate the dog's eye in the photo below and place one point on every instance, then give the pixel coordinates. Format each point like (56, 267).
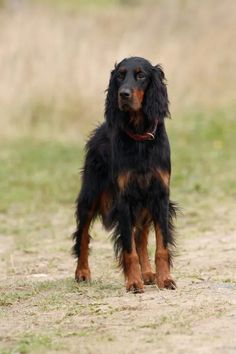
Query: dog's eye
(140, 76)
(120, 76)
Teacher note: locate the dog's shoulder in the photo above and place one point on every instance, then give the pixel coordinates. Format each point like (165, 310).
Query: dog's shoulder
(98, 145)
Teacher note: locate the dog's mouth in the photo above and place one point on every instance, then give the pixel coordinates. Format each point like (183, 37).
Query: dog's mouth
(125, 107)
(128, 105)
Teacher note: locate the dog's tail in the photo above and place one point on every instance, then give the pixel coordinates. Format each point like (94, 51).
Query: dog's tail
(174, 211)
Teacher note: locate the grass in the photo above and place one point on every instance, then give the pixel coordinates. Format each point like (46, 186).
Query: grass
(30, 343)
(203, 153)
(40, 175)
(77, 4)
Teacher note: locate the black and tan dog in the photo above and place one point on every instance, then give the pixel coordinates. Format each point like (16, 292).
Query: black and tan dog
(126, 176)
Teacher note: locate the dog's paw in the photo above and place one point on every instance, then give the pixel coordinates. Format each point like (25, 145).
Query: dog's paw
(165, 282)
(135, 286)
(82, 275)
(149, 278)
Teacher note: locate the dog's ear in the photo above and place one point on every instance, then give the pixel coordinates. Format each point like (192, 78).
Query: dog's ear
(156, 103)
(111, 102)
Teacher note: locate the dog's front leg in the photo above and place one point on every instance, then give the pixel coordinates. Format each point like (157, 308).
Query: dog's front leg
(129, 259)
(141, 239)
(131, 268)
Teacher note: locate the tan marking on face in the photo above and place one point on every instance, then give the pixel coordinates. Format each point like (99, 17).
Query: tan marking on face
(136, 116)
(138, 69)
(122, 69)
(137, 99)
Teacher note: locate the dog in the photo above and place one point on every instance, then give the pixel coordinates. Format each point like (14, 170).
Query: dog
(126, 177)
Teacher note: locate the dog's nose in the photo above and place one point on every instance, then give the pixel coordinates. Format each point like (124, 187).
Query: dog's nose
(125, 93)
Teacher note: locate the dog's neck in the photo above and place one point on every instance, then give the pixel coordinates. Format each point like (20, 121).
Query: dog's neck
(139, 129)
(137, 122)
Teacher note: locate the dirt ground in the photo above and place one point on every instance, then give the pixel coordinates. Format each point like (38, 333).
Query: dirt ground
(44, 311)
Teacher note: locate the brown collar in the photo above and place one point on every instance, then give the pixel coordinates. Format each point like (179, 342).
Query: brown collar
(149, 135)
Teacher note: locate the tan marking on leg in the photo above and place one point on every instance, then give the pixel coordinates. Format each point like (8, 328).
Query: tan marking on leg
(123, 180)
(105, 203)
(82, 272)
(164, 176)
(141, 246)
(163, 277)
(132, 270)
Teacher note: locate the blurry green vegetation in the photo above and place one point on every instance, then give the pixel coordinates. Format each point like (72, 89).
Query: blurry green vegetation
(203, 153)
(75, 4)
(44, 174)
(38, 174)
(29, 343)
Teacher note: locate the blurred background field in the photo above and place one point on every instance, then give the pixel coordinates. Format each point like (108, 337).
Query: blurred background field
(56, 56)
(55, 61)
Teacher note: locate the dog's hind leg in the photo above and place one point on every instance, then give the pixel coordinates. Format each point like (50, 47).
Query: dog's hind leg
(162, 260)
(162, 211)
(164, 239)
(141, 238)
(85, 212)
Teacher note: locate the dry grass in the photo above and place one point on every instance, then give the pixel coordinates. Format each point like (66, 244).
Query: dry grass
(54, 65)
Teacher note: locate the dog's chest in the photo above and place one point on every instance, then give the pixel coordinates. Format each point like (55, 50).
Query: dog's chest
(133, 179)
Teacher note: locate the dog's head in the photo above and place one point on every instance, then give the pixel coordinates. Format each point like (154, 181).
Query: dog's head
(136, 86)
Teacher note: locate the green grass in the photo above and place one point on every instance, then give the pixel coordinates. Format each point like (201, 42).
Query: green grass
(31, 343)
(203, 154)
(77, 4)
(40, 176)
(54, 297)
(36, 174)
(51, 293)
(28, 289)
